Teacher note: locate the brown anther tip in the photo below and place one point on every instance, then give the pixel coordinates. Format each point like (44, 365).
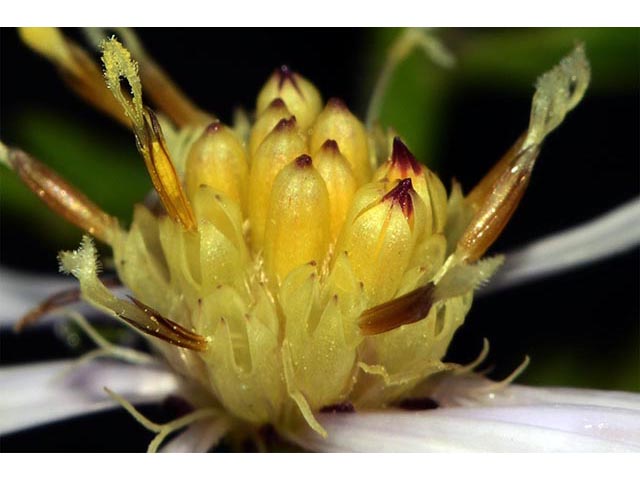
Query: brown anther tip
(277, 103)
(214, 127)
(403, 159)
(331, 146)
(401, 194)
(164, 328)
(284, 71)
(285, 74)
(303, 161)
(286, 124)
(336, 103)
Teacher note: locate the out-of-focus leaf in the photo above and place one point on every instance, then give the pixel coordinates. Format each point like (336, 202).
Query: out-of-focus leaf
(415, 101)
(417, 98)
(514, 58)
(100, 164)
(570, 368)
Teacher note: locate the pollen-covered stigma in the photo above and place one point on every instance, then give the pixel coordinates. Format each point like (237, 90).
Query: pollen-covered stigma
(294, 265)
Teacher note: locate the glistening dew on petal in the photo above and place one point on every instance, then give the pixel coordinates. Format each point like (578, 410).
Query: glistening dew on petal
(298, 267)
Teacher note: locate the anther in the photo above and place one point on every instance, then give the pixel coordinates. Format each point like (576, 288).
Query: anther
(336, 103)
(299, 95)
(330, 146)
(403, 159)
(286, 124)
(409, 308)
(401, 195)
(337, 123)
(303, 161)
(214, 127)
(277, 103)
(285, 74)
(60, 196)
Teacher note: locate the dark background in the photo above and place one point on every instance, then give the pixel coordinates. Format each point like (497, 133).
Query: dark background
(580, 328)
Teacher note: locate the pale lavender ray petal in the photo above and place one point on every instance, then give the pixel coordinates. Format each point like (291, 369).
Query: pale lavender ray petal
(45, 392)
(610, 234)
(200, 437)
(475, 390)
(546, 428)
(523, 395)
(476, 414)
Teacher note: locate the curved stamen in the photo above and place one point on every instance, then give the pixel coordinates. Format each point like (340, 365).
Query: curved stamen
(83, 264)
(59, 195)
(497, 196)
(149, 138)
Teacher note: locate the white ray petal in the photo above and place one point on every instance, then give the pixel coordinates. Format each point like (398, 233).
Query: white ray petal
(540, 428)
(521, 395)
(45, 392)
(476, 416)
(612, 233)
(200, 437)
(476, 390)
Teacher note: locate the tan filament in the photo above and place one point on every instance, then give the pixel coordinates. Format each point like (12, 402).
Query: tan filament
(481, 191)
(165, 329)
(409, 308)
(62, 197)
(496, 209)
(496, 197)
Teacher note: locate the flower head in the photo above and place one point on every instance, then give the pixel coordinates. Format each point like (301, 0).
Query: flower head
(300, 266)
